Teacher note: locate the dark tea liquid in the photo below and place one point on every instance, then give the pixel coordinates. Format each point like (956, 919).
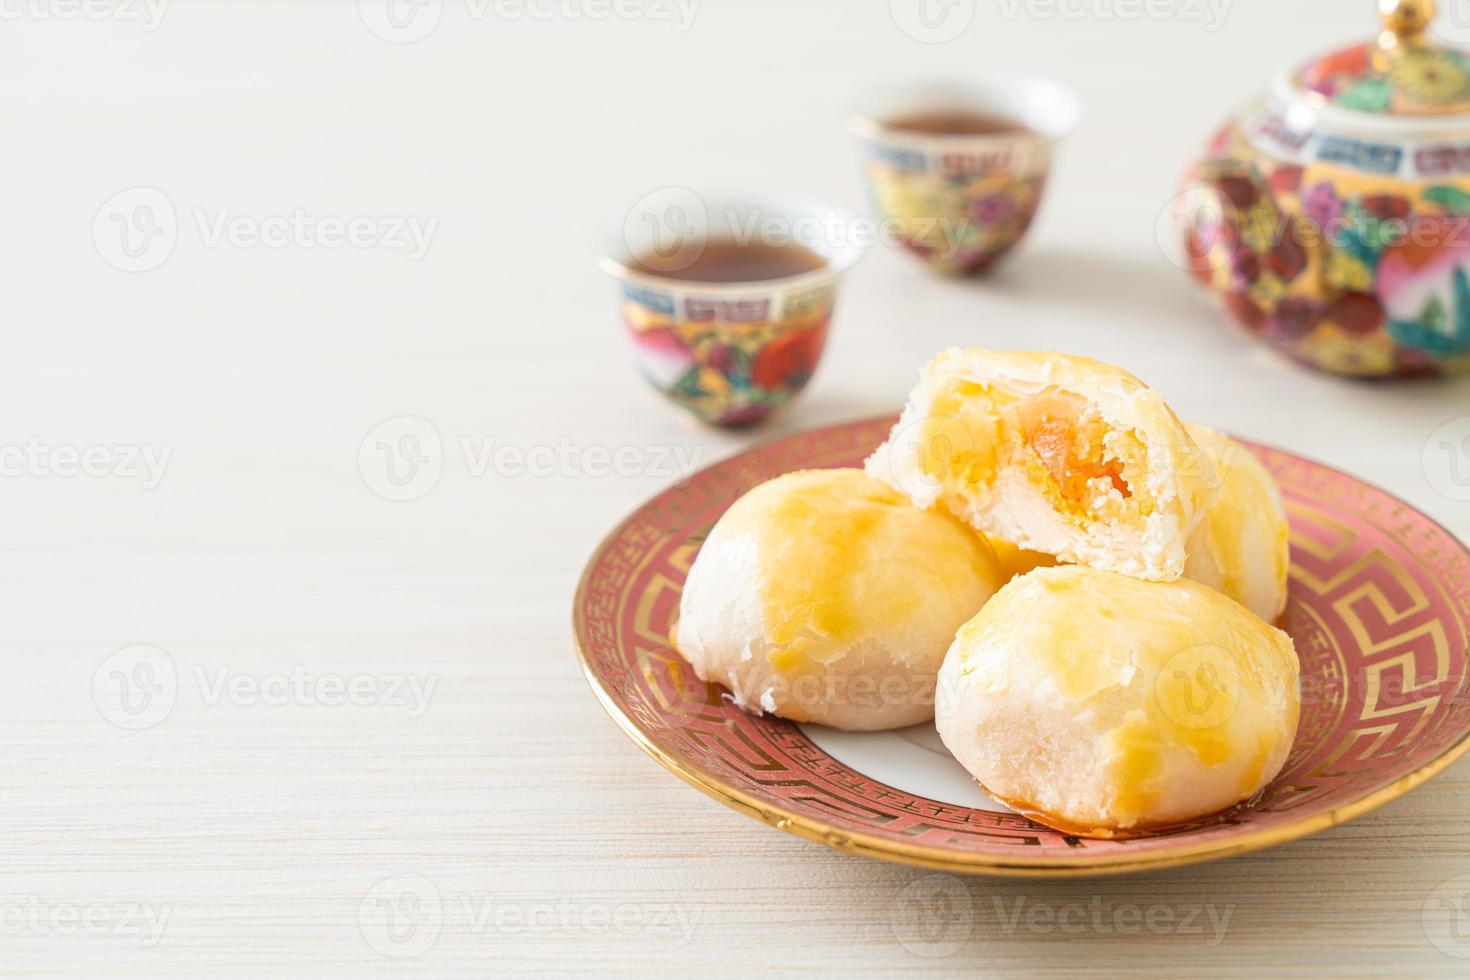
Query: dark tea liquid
(729, 260)
(956, 122)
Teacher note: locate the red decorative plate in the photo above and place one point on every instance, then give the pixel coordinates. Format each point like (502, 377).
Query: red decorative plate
(1380, 612)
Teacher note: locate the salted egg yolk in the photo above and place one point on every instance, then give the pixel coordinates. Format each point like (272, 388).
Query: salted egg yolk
(1081, 462)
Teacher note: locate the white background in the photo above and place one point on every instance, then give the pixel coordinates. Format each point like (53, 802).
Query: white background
(260, 825)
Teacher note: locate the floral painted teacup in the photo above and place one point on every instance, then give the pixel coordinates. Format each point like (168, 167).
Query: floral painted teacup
(733, 349)
(961, 199)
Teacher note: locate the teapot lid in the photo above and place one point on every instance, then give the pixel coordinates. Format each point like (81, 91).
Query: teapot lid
(1403, 73)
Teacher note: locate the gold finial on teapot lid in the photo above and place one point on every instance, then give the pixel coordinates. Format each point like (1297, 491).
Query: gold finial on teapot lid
(1407, 71)
(1404, 23)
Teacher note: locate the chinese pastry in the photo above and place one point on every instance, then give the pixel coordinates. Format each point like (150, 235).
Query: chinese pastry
(827, 597)
(1241, 547)
(1016, 561)
(1057, 454)
(1106, 706)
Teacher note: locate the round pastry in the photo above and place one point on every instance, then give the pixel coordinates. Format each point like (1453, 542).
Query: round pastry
(1241, 546)
(1058, 454)
(1106, 706)
(1015, 560)
(826, 597)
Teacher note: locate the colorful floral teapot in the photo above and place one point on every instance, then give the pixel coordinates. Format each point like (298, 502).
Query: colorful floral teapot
(1332, 217)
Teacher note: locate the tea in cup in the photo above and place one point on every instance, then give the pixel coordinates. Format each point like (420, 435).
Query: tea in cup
(957, 170)
(728, 301)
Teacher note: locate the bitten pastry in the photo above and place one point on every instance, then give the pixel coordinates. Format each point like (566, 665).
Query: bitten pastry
(1056, 454)
(826, 597)
(1241, 547)
(1106, 706)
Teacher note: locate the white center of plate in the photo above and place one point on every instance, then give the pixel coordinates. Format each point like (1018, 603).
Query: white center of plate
(911, 759)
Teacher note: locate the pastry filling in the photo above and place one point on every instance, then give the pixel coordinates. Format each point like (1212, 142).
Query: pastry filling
(1087, 469)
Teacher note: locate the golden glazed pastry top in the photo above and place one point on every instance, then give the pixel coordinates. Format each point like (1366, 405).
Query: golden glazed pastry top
(1087, 654)
(1150, 671)
(1242, 546)
(826, 597)
(843, 557)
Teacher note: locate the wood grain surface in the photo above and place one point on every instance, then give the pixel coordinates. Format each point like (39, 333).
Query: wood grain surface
(258, 718)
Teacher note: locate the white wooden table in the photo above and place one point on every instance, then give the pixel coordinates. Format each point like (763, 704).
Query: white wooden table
(326, 700)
